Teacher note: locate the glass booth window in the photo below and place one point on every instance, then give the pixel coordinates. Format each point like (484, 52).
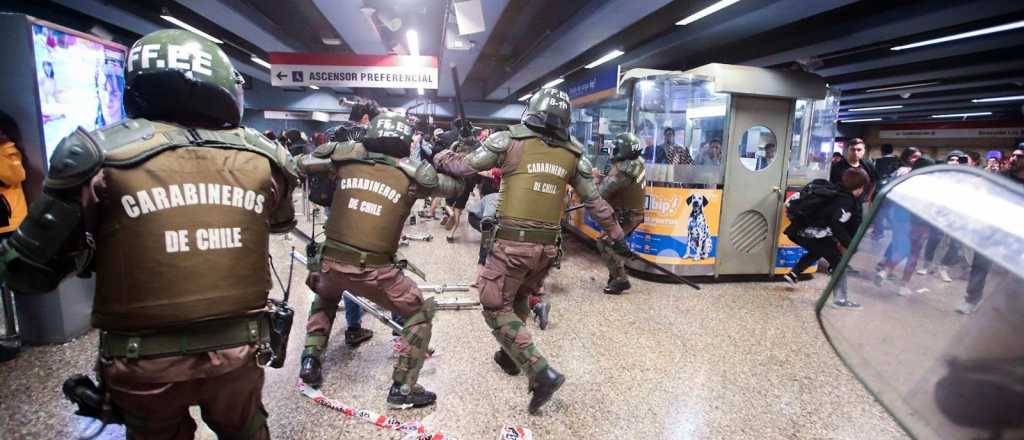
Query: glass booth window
(595, 125)
(757, 148)
(814, 132)
(680, 120)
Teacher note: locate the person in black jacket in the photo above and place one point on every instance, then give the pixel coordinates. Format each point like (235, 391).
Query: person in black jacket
(828, 235)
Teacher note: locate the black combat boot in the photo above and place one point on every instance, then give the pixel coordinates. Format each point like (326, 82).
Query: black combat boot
(543, 386)
(617, 285)
(506, 363)
(355, 337)
(310, 372)
(542, 311)
(414, 397)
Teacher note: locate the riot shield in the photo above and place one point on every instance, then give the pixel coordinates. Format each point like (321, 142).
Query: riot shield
(938, 268)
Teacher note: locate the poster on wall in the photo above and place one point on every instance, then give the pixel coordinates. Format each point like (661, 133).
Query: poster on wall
(81, 82)
(680, 226)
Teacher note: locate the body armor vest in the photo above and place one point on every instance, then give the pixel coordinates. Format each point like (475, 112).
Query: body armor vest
(183, 237)
(632, 197)
(371, 203)
(535, 190)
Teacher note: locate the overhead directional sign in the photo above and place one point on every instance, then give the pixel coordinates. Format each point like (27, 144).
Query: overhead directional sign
(348, 70)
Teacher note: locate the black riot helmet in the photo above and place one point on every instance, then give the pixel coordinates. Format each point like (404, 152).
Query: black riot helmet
(626, 146)
(389, 134)
(549, 112)
(176, 76)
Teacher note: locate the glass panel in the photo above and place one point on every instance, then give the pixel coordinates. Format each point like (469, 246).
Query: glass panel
(681, 122)
(939, 337)
(757, 148)
(811, 154)
(595, 125)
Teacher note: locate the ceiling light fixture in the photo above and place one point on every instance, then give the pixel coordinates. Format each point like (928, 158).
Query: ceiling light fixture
(962, 35)
(908, 86)
(554, 83)
(861, 120)
(999, 99)
(314, 87)
(259, 61)
(331, 41)
(962, 115)
(866, 109)
(717, 6)
(608, 57)
(413, 40)
(525, 97)
(191, 28)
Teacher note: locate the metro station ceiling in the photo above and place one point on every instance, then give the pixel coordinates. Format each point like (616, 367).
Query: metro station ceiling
(527, 43)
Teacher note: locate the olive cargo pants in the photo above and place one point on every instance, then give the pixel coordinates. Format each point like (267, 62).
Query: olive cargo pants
(513, 272)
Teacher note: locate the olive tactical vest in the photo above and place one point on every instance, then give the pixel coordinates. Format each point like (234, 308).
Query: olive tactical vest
(535, 190)
(631, 197)
(183, 237)
(371, 203)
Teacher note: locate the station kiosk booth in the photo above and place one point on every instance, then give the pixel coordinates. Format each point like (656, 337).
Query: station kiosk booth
(725, 145)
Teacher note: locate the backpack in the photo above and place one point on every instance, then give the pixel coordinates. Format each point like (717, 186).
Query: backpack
(805, 206)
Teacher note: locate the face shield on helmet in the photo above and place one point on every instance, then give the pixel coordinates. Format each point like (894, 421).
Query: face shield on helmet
(549, 112)
(176, 76)
(626, 146)
(389, 133)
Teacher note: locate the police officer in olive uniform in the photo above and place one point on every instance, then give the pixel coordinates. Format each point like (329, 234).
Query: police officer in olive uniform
(623, 188)
(376, 187)
(172, 209)
(538, 161)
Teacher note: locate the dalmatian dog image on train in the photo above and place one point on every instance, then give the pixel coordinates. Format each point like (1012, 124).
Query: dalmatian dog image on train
(698, 243)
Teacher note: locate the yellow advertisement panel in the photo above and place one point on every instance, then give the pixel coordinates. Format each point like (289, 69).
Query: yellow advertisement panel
(788, 252)
(680, 226)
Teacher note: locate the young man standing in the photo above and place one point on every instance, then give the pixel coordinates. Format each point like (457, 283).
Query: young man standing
(853, 157)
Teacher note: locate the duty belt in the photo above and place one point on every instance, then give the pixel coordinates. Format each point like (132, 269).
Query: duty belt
(539, 236)
(344, 253)
(196, 338)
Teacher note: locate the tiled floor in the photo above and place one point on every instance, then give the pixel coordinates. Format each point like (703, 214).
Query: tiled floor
(736, 360)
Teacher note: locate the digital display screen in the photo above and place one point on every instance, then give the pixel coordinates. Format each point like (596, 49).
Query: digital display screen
(81, 83)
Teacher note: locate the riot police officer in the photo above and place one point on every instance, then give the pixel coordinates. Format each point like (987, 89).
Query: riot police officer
(623, 188)
(172, 209)
(376, 186)
(538, 161)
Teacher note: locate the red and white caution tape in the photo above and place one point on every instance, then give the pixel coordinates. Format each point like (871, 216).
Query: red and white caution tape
(414, 430)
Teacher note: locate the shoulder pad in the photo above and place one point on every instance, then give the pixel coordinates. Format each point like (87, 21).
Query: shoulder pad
(420, 172)
(631, 168)
(520, 131)
(325, 150)
(584, 167)
(274, 151)
(347, 151)
(77, 158)
(498, 142)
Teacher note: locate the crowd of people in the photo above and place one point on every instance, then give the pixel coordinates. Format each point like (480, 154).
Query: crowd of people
(914, 243)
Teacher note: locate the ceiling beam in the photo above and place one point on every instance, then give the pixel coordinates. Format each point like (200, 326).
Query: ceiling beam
(898, 58)
(1013, 80)
(589, 26)
(873, 29)
(353, 26)
(958, 98)
(241, 20)
(930, 75)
